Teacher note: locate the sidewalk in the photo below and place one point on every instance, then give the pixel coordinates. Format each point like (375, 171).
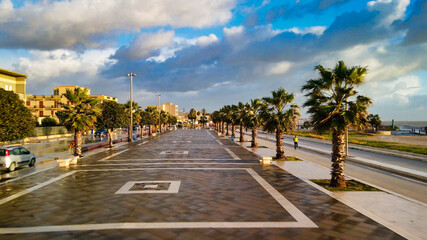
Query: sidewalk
(401, 170)
(398, 214)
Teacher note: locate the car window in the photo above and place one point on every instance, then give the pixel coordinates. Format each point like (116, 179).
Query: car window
(2, 152)
(16, 151)
(24, 151)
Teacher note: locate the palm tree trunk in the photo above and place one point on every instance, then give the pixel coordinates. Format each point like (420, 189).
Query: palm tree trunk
(280, 153)
(233, 130)
(242, 134)
(223, 124)
(226, 134)
(149, 130)
(78, 142)
(142, 131)
(110, 137)
(254, 143)
(338, 159)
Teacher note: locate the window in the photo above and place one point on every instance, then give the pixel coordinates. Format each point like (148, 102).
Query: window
(24, 151)
(41, 114)
(28, 103)
(16, 151)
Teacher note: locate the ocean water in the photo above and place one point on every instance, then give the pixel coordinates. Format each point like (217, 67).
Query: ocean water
(415, 124)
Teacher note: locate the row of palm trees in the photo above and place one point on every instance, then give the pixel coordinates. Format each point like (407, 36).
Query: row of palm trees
(332, 101)
(277, 113)
(84, 113)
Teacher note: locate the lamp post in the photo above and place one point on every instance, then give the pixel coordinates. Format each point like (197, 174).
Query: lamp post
(131, 107)
(158, 95)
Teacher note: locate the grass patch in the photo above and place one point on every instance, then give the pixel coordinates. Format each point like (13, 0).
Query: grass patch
(287, 159)
(352, 185)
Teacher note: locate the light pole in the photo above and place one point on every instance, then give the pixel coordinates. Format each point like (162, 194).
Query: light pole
(131, 107)
(158, 95)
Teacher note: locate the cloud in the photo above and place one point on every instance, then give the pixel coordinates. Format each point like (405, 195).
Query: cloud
(415, 25)
(207, 40)
(41, 66)
(144, 44)
(50, 25)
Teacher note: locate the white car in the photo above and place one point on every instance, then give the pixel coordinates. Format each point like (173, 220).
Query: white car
(13, 157)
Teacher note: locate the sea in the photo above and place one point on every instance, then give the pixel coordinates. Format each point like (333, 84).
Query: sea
(408, 125)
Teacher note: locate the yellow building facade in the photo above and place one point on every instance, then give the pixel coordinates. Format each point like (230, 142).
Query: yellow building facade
(13, 81)
(42, 106)
(170, 108)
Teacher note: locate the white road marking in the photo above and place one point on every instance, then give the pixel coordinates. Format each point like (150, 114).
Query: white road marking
(137, 164)
(112, 155)
(173, 159)
(143, 143)
(31, 189)
(219, 142)
(232, 154)
(302, 221)
(17, 178)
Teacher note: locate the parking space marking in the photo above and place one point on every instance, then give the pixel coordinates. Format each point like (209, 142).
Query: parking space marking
(302, 221)
(219, 142)
(232, 154)
(31, 189)
(112, 155)
(143, 143)
(182, 163)
(172, 159)
(27, 175)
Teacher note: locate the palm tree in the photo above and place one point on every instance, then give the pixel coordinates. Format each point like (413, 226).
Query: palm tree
(278, 118)
(234, 119)
(150, 117)
(81, 114)
(136, 117)
(334, 105)
(216, 119)
(192, 115)
(253, 119)
(226, 117)
(241, 110)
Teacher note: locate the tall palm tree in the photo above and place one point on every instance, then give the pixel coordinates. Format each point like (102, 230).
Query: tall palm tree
(216, 120)
(150, 117)
(234, 119)
(253, 119)
(226, 117)
(136, 117)
(81, 114)
(334, 105)
(241, 110)
(278, 115)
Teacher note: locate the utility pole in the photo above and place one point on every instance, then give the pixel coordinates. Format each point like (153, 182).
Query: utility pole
(131, 108)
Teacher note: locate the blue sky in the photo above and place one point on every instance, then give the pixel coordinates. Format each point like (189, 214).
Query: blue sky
(206, 53)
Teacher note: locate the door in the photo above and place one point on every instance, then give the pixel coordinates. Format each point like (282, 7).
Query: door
(25, 155)
(16, 156)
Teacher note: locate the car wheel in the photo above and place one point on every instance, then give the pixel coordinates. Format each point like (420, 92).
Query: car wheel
(12, 167)
(32, 162)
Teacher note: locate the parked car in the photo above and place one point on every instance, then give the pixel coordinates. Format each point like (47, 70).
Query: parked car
(16, 156)
(101, 132)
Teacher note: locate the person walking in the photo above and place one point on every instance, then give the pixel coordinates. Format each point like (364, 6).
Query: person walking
(295, 142)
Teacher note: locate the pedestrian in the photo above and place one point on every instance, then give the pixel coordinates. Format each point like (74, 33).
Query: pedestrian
(295, 142)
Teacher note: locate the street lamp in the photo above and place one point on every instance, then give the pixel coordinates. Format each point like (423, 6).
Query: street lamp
(158, 95)
(131, 107)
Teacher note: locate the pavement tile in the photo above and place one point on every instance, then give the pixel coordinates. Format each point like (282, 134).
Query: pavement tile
(205, 195)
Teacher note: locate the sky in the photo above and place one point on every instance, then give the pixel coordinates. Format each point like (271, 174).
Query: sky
(210, 53)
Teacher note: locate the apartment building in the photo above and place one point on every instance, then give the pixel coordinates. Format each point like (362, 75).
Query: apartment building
(42, 106)
(13, 81)
(170, 108)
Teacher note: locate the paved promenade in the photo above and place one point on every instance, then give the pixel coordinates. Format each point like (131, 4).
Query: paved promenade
(187, 184)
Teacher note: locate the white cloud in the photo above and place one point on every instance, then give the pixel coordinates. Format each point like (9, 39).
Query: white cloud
(278, 68)
(233, 31)
(66, 24)
(41, 66)
(390, 10)
(207, 40)
(316, 30)
(144, 43)
(6, 10)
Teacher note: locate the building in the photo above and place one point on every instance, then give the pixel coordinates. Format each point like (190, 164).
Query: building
(13, 81)
(42, 106)
(170, 108)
